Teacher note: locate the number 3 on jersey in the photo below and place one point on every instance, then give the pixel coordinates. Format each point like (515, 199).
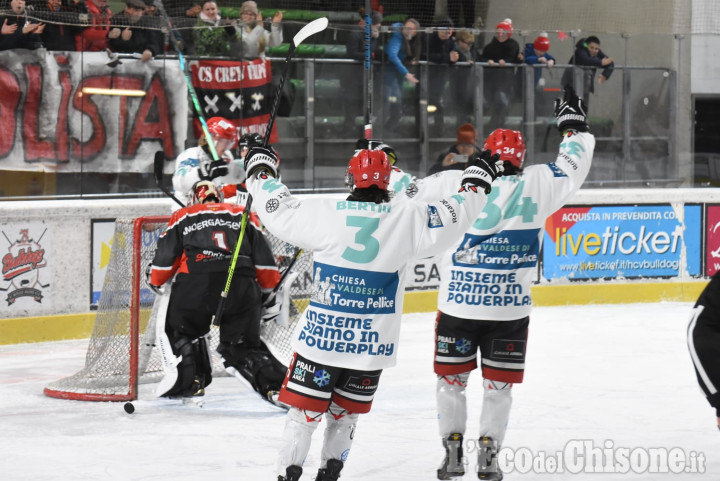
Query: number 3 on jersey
(517, 205)
(363, 237)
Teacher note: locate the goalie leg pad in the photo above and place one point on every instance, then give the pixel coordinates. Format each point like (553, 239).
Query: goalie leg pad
(451, 403)
(497, 400)
(264, 373)
(194, 371)
(339, 434)
(299, 428)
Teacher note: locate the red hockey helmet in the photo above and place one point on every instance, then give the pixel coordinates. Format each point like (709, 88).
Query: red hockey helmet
(509, 144)
(222, 129)
(368, 167)
(205, 191)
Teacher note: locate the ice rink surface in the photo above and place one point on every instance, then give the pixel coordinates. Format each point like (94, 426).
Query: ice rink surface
(615, 379)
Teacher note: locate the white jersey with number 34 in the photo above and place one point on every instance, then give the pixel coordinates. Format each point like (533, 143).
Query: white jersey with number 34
(489, 273)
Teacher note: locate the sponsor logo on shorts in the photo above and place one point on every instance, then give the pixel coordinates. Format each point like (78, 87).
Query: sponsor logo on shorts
(508, 349)
(362, 384)
(443, 344)
(463, 345)
(322, 378)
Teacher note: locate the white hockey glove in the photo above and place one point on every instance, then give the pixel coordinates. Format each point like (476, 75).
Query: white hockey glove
(260, 158)
(571, 112)
(272, 305)
(483, 170)
(216, 168)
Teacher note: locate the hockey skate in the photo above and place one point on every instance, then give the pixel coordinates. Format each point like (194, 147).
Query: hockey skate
(487, 460)
(292, 473)
(452, 466)
(331, 472)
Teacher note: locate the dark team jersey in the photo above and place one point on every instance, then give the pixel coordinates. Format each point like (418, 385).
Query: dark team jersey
(201, 239)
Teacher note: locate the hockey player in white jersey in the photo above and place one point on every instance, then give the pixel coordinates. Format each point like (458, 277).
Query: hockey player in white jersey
(196, 163)
(484, 298)
(349, 332)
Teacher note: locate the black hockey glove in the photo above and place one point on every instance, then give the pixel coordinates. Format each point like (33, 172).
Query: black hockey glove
(482, 170)
(260, 158)
(214, 169)
(571, 112)
(156, 289)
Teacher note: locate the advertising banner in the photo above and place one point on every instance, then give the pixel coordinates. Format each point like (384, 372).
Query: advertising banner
(102, 241)
(712, 249)
(50, 123)
(622, 241)
(26, 267)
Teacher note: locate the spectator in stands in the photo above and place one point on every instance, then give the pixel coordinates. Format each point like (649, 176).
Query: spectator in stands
(18, 31)
(184, 15)
(462, 87)
(499, 83)
(441, 51)
(251, 37)
(132, 35)
(456, 157)
(94, 38)
(351, 79)
(62, 30)
(537, 53)
(212, 34)
(588, 54)
(156, 23)
(402, 49)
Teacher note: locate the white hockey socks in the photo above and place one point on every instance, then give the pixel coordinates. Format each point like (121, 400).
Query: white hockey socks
(451, 403)
(497, 400)
(339, 434)
(299, 428)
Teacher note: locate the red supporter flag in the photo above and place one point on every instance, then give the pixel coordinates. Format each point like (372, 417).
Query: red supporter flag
(241, 92)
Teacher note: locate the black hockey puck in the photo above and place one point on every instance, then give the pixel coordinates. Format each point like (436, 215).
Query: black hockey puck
(129, 407)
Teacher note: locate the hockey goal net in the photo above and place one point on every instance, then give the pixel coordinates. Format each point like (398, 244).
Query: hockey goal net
(122, 351)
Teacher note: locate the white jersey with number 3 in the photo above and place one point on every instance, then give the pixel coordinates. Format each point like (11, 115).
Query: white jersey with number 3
(488, 275)
(361, 251)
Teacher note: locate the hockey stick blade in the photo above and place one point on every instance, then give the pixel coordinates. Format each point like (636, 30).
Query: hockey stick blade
(316, 26)
(158, 164)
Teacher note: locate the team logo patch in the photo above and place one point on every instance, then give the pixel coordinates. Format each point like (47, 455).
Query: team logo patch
(272, 205)
(411, 190)
(322, 378)
(434, 219)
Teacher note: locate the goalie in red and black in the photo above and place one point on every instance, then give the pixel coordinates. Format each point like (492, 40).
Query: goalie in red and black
(196, 249)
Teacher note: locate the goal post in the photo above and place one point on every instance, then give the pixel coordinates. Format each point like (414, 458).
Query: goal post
(122, 352)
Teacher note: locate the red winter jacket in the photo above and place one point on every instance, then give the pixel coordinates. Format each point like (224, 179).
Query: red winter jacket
(94, 37)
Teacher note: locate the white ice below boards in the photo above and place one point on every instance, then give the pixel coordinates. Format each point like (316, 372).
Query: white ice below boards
(613, 380)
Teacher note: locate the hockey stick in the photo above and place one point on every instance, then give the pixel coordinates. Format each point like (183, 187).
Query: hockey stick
(367, 72)
(158, 171)
(317, 25)
(191, 90)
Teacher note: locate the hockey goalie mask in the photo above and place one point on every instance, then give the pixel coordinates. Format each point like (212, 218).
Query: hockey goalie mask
(205, 191)
(366, 168)
(509, 144)
(224, 134)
